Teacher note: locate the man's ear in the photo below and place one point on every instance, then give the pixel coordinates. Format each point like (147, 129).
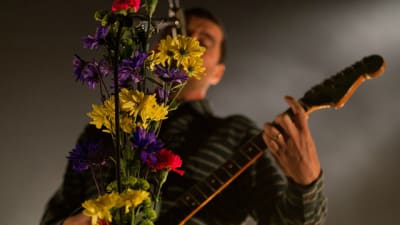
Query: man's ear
(218, 74)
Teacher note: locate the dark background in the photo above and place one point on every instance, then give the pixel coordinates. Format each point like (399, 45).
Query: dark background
(275, 48)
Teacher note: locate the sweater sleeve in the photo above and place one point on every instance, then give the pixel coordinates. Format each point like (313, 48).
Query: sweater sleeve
(299, 204)
(67, 200)
(275, 199)
(281, 201)
(76, 187)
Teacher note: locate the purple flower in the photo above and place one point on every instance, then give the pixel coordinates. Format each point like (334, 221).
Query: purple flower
(93, 42)
(78, 65)
(161, 94)
(85, 71)
(91, 74)
(87, 154)
(104, 67)
(148, 144)
(130, 69)
(173, 75)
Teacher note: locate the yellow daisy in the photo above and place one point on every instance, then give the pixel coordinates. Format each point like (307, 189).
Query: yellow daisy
(132, 198)
(100, 207)
(103, 115)
(165, 51)
(186, 48)
(194, 67)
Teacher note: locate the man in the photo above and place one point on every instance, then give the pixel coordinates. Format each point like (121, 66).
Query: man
(261, 194)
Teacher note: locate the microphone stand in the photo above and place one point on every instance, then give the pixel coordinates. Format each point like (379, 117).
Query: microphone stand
(176, 13)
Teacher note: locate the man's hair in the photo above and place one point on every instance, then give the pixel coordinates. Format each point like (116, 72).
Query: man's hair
(206, 14)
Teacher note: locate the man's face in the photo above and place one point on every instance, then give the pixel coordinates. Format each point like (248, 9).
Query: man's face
(210, 36)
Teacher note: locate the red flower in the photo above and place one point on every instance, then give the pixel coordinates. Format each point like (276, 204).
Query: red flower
(167, 159)
(125, 4)
(102, 222)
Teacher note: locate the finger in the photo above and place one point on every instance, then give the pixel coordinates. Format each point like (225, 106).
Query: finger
(300, 116)
(287, 125)
(271, 144)
(273, 131)
(294, 105)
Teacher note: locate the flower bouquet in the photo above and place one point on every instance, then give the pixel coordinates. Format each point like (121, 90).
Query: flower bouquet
(138, 86)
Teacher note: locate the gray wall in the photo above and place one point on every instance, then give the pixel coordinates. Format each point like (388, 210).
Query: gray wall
(276, 48)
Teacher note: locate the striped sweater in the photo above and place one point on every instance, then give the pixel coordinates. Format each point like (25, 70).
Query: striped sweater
(261, 194)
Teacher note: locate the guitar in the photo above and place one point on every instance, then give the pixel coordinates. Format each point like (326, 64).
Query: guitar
(331, 93)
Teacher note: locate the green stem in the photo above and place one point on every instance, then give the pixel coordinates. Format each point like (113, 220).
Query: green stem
(133, 217)
(172, 102)
(116, 98)
(117, 125)
(103, 86)
(163, 178)
(148, 35)
(95, 180)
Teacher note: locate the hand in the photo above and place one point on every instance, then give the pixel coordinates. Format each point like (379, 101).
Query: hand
(79, 219)
(292, 144)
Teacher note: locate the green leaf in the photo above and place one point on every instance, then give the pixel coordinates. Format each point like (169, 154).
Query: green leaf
(151, 6)
(100, 14)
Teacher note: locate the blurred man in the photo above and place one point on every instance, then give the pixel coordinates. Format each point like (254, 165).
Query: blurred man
(284, 186)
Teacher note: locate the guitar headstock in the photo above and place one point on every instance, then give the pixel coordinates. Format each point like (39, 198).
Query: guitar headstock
(335, 91)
